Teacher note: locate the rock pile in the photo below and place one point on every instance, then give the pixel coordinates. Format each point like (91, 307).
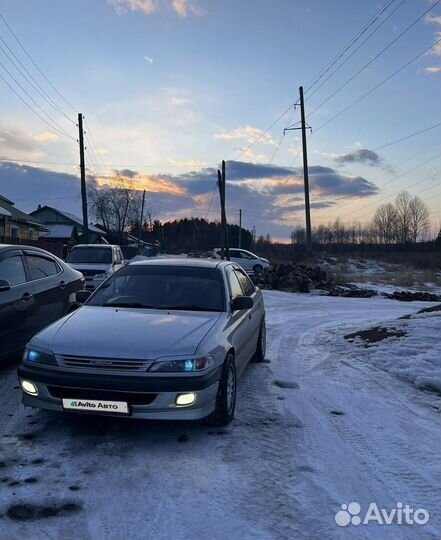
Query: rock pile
(293, 278)
(409, 296)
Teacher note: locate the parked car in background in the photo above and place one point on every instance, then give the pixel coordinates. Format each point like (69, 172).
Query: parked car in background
(36, 288)
(160, 339)
(96, 261)
(250, 262)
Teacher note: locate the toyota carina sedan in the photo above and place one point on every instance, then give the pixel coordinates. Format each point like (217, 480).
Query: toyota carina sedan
(162, 339)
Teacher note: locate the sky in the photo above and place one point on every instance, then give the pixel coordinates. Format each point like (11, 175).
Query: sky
(169, 88)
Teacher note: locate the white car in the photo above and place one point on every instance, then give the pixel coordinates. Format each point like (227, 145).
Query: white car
(162, 339)
(96, 262)
(250, 262)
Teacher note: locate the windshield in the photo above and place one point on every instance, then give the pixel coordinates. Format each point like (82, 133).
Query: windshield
(90, 255)
(163, 287)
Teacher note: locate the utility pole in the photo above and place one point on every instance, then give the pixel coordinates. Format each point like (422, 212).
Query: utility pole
(222, 231)
(305, 170)
(225, 250)
(140, 222)
(83, 180)
(305, 174)
(240, 228)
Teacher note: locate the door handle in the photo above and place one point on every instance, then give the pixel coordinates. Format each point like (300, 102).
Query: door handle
(26, 297)
(62, 284)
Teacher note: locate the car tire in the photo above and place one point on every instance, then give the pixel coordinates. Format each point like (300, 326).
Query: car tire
(259, 355)
(258, 269)
(226, 395)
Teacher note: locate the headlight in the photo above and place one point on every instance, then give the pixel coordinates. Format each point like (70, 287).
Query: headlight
(34, 356)
(183, 366)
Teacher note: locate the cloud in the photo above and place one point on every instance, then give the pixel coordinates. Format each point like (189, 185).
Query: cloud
(46, 136)
(247, 133)
(432, 69)
(184, 7)
(147, 7)
(365, 156)
(148, 59)
(435, 19)
(143, 6)
(13, 140)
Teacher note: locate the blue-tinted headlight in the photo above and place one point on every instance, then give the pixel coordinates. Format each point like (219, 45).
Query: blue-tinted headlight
(39, 357)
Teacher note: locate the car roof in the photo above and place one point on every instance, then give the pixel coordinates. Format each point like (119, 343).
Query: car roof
(7, 247)
(198, 263)
(96, 246)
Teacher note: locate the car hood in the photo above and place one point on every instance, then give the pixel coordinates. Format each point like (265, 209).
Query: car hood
(126, 333)
(90, 266)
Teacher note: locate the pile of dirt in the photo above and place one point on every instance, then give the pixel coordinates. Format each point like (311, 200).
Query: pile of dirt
(351, 291)
(293, 278)
(375, 334)
(409, 296)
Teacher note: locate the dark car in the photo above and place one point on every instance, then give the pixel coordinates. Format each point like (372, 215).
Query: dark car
(36, 289)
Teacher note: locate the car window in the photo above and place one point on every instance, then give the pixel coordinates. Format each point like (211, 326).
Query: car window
(245, 255)
(245, 281)
(41, 267)
(12, 270)
(98, 255)
(235, 253)
(235, 287)
(163, 287)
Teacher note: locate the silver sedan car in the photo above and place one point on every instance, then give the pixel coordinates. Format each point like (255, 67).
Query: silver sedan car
(160, 339)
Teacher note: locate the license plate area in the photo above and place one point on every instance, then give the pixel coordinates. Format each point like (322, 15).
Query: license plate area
(96, 406)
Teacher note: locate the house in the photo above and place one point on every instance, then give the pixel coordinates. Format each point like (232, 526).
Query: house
(66, 227)
(17, 226)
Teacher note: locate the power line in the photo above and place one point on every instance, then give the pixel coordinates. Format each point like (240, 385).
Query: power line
(400, 35)
(36, 65)
(138, 166)
(211, 202)
(255, 141)
(31, 108)
(59, 128)
(357, 49)
(32, 82)
(391, 181)
(378, 85)
(406, 137)
(348, 46)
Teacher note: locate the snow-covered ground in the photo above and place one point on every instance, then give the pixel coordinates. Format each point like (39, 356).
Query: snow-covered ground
(325, 423)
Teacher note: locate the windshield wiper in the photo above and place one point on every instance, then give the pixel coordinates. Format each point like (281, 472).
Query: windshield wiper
(128, 304)
(188, 308)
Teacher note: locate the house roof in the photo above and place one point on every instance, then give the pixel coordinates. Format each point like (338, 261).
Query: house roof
(17, 215)
(71, 217)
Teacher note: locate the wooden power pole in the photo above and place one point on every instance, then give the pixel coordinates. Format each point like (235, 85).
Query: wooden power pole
(83, 181)
(225, 249)
(305, 174)
(140, 222)
(240, 228)
(303, 127)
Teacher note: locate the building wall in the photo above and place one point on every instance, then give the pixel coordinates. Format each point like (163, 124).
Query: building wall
(24, 231)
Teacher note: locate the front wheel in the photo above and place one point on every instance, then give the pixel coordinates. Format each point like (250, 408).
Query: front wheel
(226, 395)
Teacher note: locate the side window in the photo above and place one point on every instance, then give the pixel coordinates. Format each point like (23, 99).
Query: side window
(12, 270)
(118, 256)
(41, 267)
(235, 288)
(245, 255)
(245, 281)
(236, 254)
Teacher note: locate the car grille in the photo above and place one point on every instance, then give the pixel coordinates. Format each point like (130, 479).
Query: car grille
(133, 398)
(104, 364)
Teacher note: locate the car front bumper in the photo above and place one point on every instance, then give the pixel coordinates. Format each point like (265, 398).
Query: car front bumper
(147, 397)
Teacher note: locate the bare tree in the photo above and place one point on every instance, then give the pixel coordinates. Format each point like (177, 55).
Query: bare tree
(117, 206)
(386, 223)
(402, 207)
(419, 219)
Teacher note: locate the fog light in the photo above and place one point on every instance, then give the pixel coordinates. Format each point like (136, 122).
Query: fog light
(184, 400)
(30, 388)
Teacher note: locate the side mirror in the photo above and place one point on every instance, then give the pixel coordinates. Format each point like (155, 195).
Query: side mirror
(4, 285)
(241, 302)
(82, 296)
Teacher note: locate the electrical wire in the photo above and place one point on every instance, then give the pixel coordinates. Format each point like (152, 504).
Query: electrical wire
(378, 85)
(399, 36)
(36, 65)
(357, 49)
